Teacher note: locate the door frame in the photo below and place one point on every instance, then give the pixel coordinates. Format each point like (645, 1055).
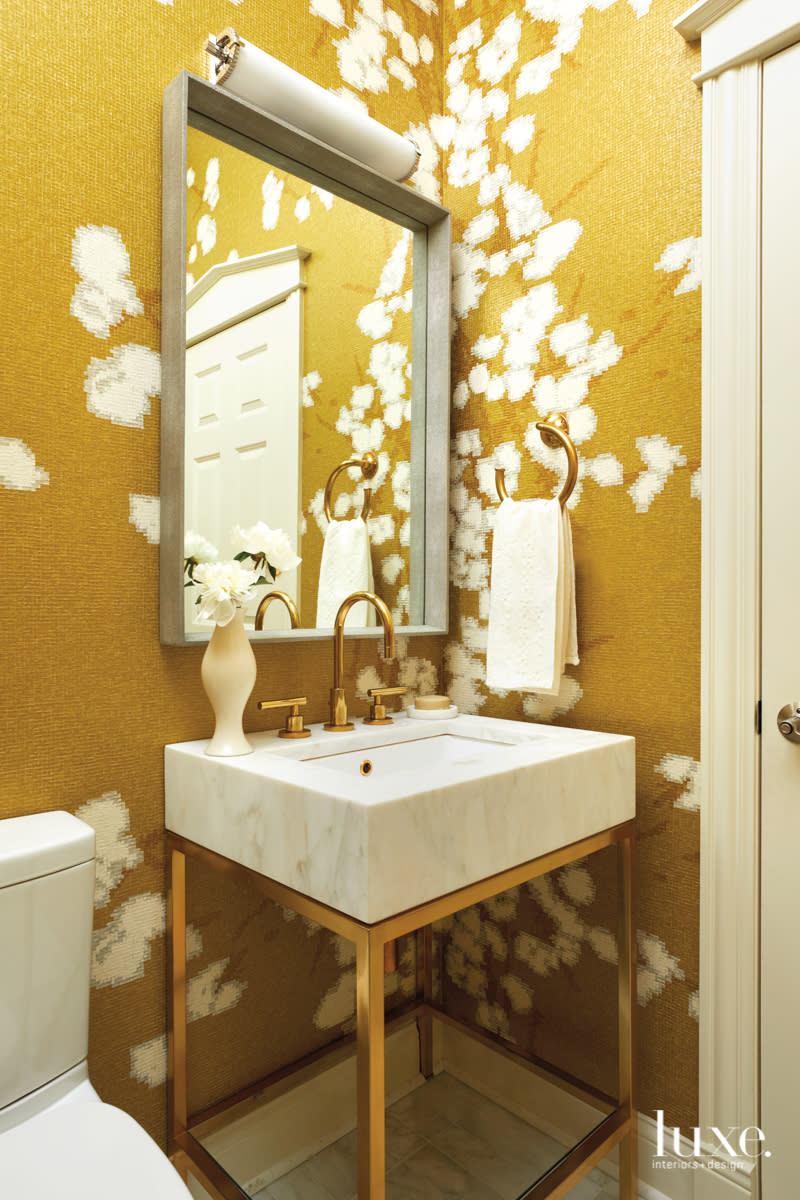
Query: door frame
(736, 36)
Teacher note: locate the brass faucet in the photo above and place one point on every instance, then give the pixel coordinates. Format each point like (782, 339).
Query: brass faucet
(338, 722)
(294, 615)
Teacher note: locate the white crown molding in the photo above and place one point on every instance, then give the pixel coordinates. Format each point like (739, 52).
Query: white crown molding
(700, 16)
(734, 32)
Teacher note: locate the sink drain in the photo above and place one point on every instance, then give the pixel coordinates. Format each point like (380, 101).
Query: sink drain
(366, 767)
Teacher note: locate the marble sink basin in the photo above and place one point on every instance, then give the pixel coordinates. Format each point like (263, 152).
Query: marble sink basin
(384, 818)
(385, 762)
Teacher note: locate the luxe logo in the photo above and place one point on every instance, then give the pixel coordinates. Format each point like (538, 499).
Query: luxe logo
(735, 1144)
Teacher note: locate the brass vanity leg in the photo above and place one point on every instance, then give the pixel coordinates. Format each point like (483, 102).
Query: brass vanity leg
(628, 1150)
(425, 987)
(176, 995)
(370, 1050)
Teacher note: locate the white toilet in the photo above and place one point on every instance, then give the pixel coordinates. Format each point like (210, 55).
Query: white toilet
(57, 1138)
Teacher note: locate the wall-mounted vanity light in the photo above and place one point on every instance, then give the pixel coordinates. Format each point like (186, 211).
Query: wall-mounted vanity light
(263, 81)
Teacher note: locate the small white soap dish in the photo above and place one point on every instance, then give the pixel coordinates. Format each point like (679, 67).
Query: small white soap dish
(432, 708)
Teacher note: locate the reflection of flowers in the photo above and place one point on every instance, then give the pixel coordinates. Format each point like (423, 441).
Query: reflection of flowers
(196, 550)
(270, 549)
(224, 588)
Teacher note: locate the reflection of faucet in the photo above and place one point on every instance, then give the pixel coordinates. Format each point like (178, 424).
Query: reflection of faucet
(338, 721)
(294, 615)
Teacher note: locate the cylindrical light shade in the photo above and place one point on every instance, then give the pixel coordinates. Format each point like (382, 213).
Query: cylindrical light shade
(266, 83)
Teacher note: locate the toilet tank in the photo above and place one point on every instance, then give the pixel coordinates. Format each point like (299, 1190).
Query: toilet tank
(46, 903)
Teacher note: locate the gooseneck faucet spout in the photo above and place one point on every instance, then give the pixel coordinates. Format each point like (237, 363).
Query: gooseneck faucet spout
(338, 722)
(286, 599)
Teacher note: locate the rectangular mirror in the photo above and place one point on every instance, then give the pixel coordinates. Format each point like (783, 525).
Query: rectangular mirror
(305, 326)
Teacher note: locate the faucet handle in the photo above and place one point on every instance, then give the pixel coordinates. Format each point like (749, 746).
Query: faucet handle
(294, 722)
(377, 712)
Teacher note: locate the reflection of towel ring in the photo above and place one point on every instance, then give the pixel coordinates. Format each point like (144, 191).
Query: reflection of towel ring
(554, 433)
(369, 469)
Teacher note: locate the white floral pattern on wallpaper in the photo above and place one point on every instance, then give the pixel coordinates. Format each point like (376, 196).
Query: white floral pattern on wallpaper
(475, 936)
(680, 768)
(684, 255)
(116, 851)
(528, 323)
(118, 388)
(18, 467)
(372, 408)
(121, 948)
(104, 293)
(144, 513)
(207, 994)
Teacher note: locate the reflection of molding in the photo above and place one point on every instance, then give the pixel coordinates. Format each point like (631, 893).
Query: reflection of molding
(270, 302)
(232, 291)
(270, 258)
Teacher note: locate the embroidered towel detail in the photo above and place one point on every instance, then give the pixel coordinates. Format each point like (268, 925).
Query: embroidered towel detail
(532, 619)
(346, 567)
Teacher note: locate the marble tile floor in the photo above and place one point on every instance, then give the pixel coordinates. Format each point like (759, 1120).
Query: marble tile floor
(444, 1141)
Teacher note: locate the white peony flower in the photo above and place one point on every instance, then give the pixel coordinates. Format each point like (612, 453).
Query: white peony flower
(224, 588)
(197, 547)
(261, 542)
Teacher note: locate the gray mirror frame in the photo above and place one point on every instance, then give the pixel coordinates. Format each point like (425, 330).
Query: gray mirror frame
(431, 334)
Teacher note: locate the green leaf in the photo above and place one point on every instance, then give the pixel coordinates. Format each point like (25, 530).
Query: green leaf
(241, 556)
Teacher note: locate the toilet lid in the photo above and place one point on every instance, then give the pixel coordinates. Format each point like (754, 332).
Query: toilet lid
(85, 1151)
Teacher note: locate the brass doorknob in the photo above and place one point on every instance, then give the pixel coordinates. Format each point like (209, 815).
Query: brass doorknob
(789, 721)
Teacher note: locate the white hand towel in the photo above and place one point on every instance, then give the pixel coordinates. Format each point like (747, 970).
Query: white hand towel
(532, 617)
(346, 567)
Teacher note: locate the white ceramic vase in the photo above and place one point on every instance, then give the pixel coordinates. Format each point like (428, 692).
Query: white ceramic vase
(228, 672)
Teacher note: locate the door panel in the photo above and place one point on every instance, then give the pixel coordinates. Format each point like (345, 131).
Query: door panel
(243, 427)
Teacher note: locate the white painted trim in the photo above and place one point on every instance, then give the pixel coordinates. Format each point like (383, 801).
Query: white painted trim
(734, 32)
(700, 16)
(729, 824)
(735, 39)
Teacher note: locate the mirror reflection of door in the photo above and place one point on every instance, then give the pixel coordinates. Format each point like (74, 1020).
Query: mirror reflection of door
(244, 359)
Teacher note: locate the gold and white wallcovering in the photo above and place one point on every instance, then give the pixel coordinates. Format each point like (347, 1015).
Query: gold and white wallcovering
(564, 136)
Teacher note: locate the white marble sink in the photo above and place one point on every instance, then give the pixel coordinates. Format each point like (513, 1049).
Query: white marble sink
(439, 805)
(383, 763)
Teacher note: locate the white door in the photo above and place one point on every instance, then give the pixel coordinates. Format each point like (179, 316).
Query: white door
(780, 762)
(243, 435)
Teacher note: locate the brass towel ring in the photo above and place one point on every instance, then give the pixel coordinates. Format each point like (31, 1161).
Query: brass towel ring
(554, 433)
(369, 469)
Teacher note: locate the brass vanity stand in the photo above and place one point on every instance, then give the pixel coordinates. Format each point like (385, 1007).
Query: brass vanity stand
(617, 1127)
